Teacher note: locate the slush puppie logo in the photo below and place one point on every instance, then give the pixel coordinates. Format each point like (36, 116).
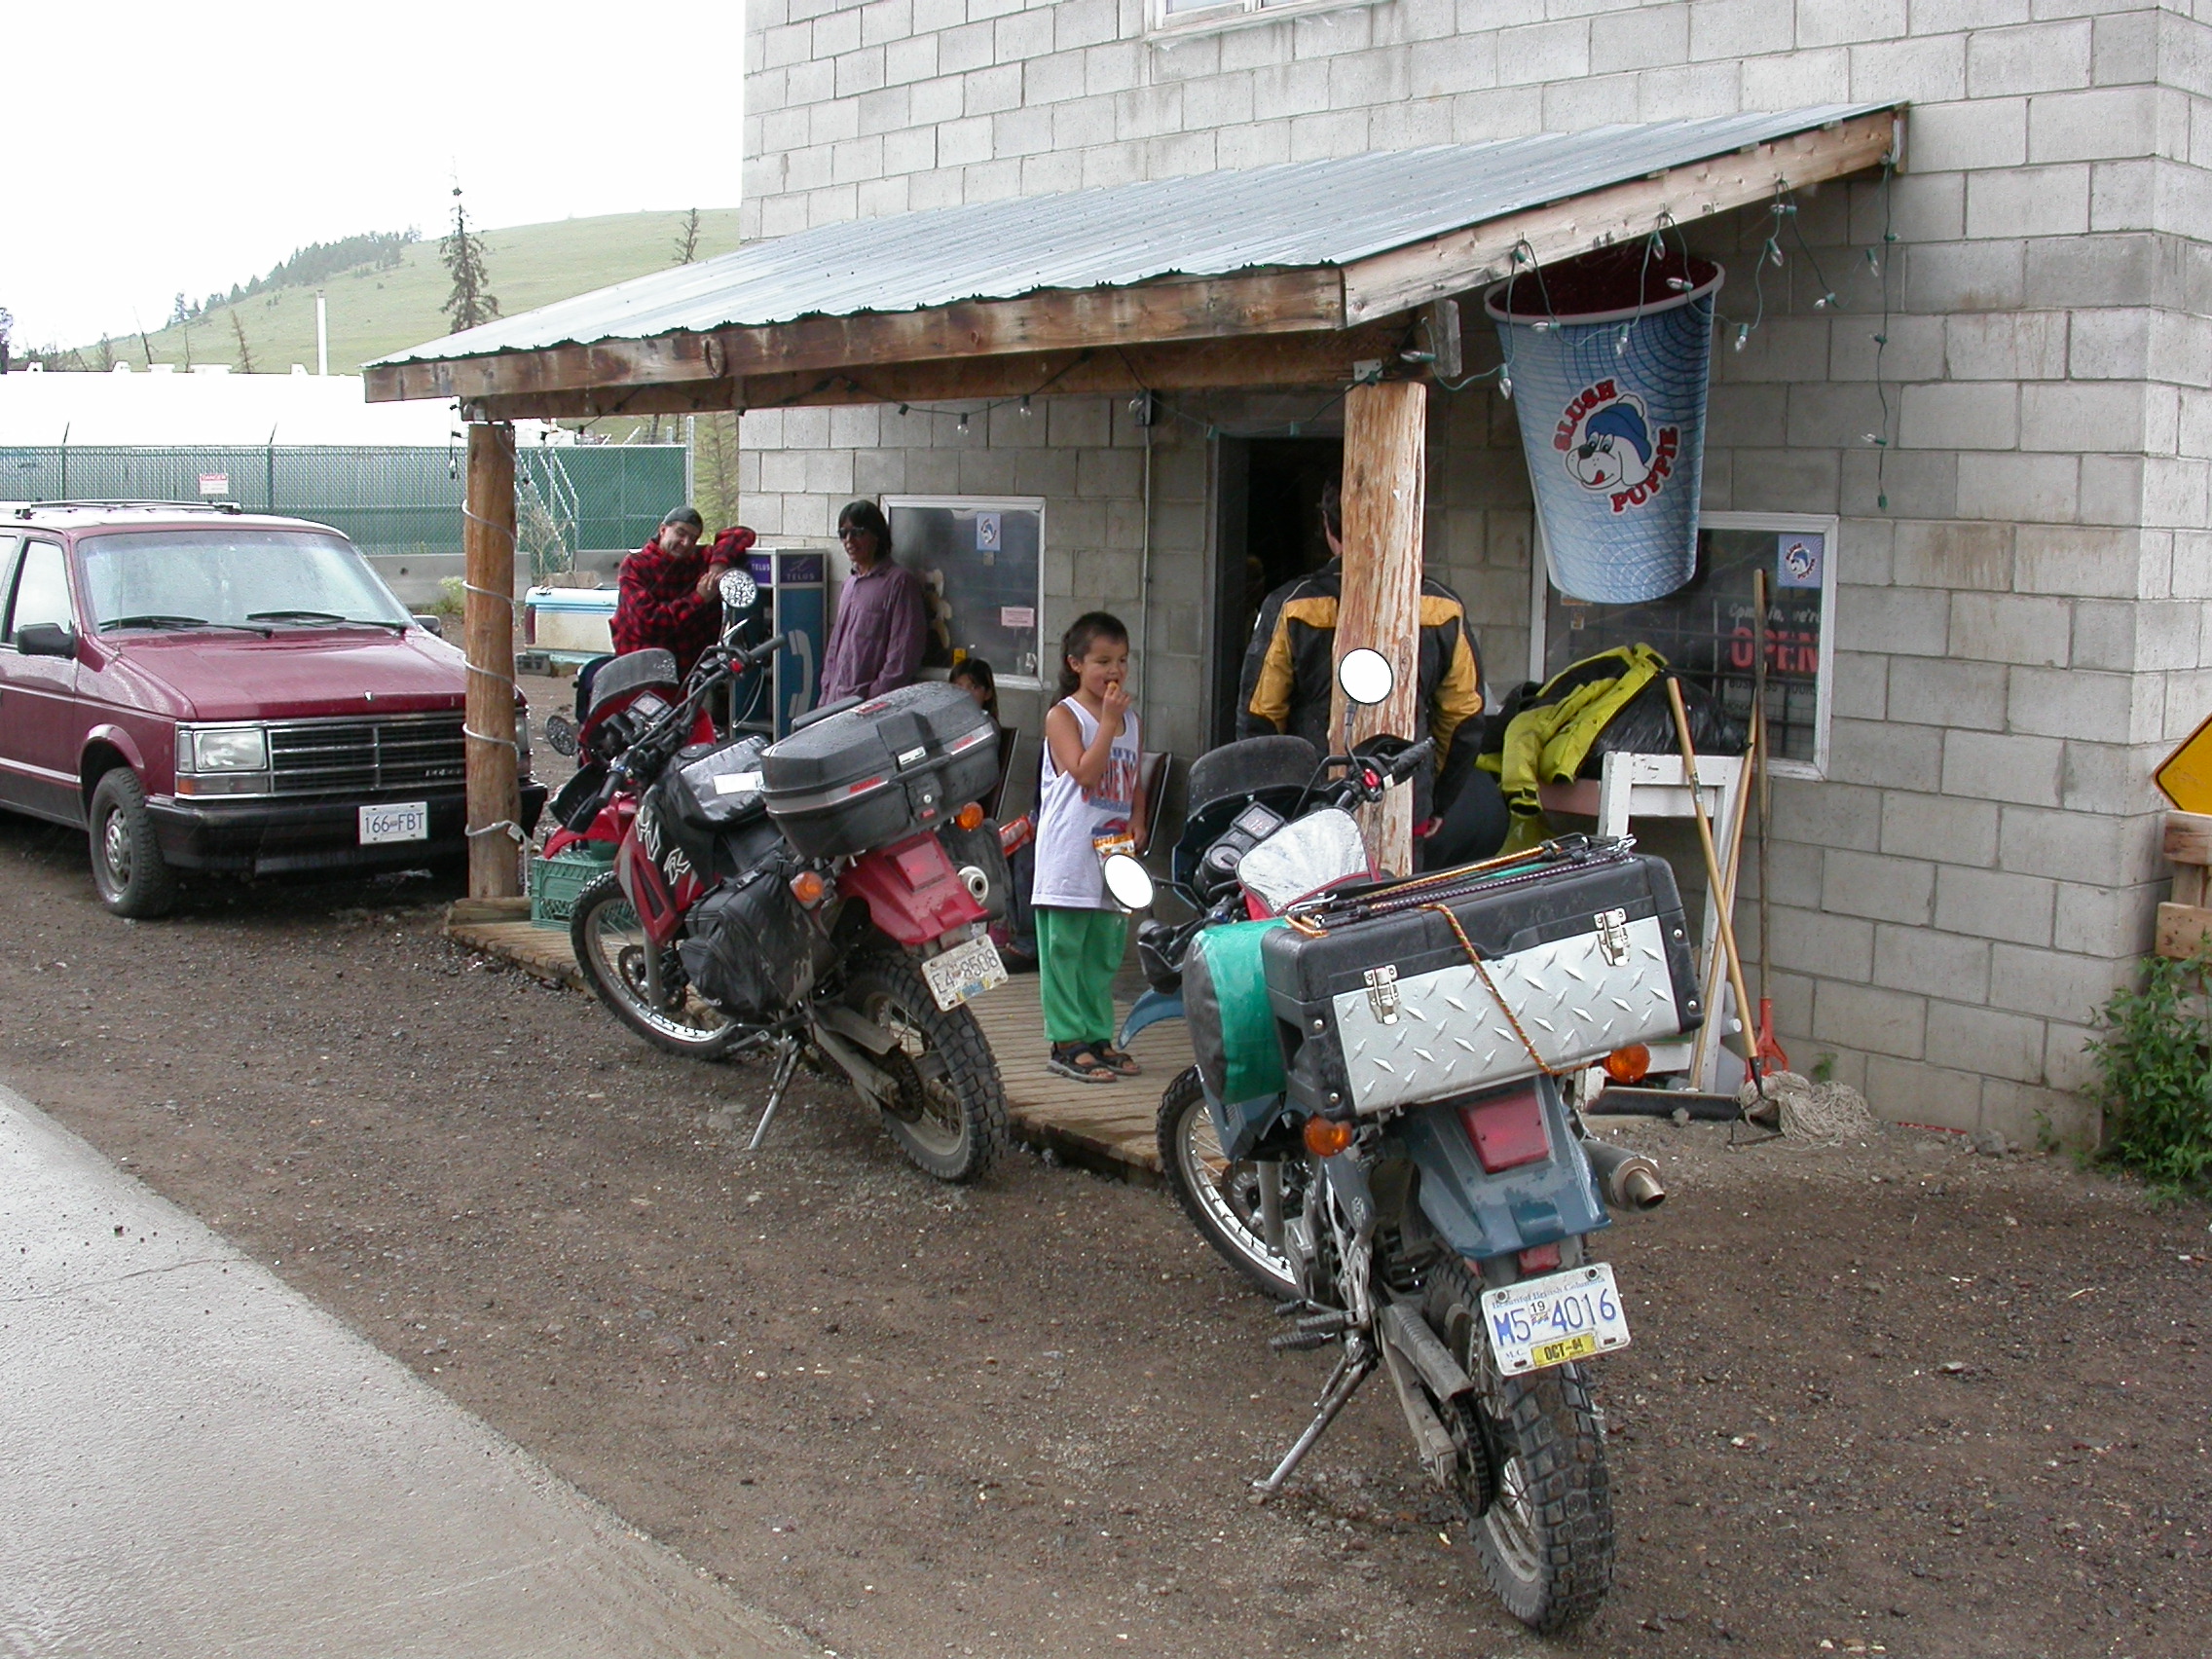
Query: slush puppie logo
(1610, 448)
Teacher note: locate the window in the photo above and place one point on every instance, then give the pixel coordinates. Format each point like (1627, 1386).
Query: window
(42, 590)
(981, 564)
(1206, 17)
(1705, 629)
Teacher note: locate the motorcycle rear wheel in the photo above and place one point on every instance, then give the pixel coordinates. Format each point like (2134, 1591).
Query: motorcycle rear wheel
(1546, 1541)
(611, 945)
(950, 1118)
(1220, 1196)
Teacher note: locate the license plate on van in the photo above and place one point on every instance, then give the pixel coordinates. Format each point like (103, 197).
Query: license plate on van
(1548, 1321)
(966, 971)
(395, 821)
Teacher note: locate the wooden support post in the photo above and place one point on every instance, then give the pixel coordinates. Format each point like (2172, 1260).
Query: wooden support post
(1385, 473)
(488, 539)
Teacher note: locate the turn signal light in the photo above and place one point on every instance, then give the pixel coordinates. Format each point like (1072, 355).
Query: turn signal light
(1325, 1137)
(808, 887)
(970, 817)
(1629, 1065)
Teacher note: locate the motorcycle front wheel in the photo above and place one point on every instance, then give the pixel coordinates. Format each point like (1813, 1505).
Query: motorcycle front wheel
(611, 946)
(949, 1116)
(1546, 1540)
(1221, 1196)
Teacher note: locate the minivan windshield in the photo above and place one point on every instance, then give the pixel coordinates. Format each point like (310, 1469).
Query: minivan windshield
(239, 577)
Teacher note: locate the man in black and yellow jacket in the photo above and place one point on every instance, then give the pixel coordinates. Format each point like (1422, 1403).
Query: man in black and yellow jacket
(1290, 673)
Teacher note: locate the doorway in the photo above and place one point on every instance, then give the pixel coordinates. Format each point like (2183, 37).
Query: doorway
(1268, 533)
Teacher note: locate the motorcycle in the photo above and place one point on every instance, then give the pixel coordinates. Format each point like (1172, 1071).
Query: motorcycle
(825, 899)
(1373, 1137)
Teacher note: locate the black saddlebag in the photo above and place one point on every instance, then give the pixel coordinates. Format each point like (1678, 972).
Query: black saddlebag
(747, 945)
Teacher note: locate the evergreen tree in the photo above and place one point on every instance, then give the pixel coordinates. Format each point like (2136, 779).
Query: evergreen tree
(688, 238)
(472, 301)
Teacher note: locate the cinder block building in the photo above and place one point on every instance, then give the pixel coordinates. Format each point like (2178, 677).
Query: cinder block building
(1988, 372)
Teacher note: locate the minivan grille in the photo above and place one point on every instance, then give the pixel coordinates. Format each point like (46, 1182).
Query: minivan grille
(367, 757)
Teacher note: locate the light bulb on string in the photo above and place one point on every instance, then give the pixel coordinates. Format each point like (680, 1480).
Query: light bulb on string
(1025, 406)
(963, 422)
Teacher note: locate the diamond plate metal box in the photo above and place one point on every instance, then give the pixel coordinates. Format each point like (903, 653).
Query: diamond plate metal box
(1576, 962)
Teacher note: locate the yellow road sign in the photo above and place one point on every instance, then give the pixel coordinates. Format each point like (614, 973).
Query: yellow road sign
(2184, 777)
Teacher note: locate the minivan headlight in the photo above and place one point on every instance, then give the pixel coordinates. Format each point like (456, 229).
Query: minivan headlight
(226, 749)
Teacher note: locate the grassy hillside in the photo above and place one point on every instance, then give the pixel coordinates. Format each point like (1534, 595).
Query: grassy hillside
(374, 312)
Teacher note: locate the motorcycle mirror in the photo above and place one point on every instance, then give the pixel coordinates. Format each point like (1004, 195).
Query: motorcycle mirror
(1128, 882)
(561, 733)
(738, 590)
(1365, 676)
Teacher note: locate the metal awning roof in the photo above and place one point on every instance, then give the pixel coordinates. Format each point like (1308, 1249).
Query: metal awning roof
(1320, 214)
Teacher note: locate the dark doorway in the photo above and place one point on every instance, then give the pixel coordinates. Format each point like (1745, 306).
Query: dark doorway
(1270, 533)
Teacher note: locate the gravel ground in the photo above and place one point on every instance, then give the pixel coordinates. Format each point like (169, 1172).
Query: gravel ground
(1890, 1397)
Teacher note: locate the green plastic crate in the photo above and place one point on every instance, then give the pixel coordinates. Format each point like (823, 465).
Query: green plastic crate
(554, 883)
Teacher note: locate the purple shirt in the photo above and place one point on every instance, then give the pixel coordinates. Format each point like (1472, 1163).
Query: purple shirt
(876, 645)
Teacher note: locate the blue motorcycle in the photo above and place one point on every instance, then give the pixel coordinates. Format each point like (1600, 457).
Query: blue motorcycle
(1374, 1132)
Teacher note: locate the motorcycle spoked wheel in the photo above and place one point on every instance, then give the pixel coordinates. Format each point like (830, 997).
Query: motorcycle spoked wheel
(950, 1117)
(610, 953)
(1546, 1540)
(1221, 1196)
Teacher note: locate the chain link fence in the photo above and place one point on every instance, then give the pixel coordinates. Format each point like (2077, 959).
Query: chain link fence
(569, 498)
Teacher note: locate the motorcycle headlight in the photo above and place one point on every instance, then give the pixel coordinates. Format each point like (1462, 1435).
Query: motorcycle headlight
(226, 749)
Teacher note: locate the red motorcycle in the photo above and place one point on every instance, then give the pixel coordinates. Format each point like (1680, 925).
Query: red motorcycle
(825, 898)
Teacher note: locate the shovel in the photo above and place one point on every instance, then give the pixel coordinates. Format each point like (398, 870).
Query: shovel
(1739, 1042)
(1769, 1049)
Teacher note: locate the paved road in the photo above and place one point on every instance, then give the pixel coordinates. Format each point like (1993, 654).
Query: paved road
(195, 1460)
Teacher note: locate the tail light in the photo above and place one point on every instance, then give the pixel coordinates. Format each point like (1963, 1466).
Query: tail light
(1539, 1259)
(1507, 1130)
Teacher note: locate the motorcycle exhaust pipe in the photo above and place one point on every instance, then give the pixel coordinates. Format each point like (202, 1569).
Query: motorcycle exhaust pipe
(1630, 1179)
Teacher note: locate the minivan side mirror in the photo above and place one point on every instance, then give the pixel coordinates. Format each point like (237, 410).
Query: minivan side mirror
(46, 639)
(431, 625)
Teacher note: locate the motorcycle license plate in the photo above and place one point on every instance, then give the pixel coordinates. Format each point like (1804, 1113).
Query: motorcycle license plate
(963, 972)
(396, 820)
(1553, 1320)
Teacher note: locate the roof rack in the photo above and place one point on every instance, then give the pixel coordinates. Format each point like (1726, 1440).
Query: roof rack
(29, 507)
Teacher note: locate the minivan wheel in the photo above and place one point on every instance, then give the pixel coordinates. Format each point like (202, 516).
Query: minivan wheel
(127, 868)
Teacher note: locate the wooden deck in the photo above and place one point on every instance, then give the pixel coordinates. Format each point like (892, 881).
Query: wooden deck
(1103, 1126)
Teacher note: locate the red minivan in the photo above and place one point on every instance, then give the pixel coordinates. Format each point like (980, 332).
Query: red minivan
(207, 689)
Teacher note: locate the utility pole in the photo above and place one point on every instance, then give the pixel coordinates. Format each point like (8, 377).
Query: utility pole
(321, 334)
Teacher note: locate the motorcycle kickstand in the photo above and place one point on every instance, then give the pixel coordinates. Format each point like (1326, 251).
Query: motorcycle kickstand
(1356, 1366)
(786, 1061)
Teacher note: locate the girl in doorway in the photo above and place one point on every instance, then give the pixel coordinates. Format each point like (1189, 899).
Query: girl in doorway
(1090, 791)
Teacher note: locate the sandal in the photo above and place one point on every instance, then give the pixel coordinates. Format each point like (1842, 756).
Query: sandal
(1121, 1063)
(1081, 1061)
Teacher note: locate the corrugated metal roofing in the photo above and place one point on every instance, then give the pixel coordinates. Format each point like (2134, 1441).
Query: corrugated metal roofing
(1295, 214)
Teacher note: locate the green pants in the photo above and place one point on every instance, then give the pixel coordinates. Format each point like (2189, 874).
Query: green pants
(1078, 955)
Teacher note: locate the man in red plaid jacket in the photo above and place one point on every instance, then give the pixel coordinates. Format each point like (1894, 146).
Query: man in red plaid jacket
(668, 597)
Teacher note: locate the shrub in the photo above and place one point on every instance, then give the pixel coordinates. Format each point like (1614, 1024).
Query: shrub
(2154, 1073)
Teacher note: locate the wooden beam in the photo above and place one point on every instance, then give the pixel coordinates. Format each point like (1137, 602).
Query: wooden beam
(1327, 358)
(1452, 264)
(488, 611)
(1386, 466)
(1288, 302)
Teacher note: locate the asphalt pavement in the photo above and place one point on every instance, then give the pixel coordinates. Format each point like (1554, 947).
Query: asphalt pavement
(196, 1460)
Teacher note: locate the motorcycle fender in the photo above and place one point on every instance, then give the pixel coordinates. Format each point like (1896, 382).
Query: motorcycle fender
(911, 890)
(1481, 1215)
(1149, 1009)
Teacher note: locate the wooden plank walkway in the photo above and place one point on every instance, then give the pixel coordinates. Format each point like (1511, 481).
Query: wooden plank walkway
(1107, 1128)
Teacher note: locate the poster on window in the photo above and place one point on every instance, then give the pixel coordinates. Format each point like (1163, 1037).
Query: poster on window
(981, 564)
(1708, 629)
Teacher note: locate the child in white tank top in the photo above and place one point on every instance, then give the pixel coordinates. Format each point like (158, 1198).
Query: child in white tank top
(1090, 787)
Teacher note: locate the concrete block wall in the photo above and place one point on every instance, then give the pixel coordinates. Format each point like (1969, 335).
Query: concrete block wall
(2023, 562)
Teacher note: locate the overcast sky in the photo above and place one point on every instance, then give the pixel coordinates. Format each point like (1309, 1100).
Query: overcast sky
(159, 149)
